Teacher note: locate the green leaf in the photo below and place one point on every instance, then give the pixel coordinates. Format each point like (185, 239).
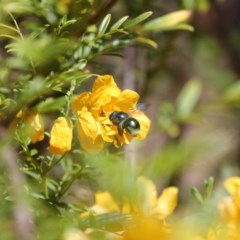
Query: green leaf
(182, 26)
(167, 21)
(8, 31)
(8, 36)
(104, 24)
(33, 152)
(147, 41)
(209, 184)
(119, 23)
(5, 27)
(50, 104)
(137, 20)
(105, 220)
(187, 99)
(197, 194)
(38, 195)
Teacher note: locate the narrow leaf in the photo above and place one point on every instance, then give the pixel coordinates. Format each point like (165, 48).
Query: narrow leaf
(104, 24)
(182, 26)
(8, 36)
(197, 194)
(137, 20)
(167, 21)
(209, 184)
(119, 23)
(147, 41)
(8, 27)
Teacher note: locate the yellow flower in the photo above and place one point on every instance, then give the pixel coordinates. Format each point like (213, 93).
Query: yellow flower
(228, 209)
(145, 204)
(147, 228)
(151, 205)
(62, 6)
(229, 206)
(105, 203)
(149, 211)
(232, 185)
(61, 136)
(94, 108)
(152, 212)
(33, 125)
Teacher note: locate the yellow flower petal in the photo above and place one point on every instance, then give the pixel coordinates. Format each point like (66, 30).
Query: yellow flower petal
(147, 229)
(228, 209)
(89, 133)
(144, 122)
(233, 186)
(107, 133)
(102, 97)
(103, 82)
(80, 102)
(60, 136)
(34, 126)
(105, 200)
(104, 90)
(88, 125)
(19, 114)
(147, 195)
(167, 202)
(127, 101)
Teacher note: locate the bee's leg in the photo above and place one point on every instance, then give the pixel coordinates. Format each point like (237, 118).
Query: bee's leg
(120, 129)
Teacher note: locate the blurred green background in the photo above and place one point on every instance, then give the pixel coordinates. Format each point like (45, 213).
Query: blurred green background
(190, 84)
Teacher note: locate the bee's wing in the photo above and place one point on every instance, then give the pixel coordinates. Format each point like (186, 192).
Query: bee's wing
(142, 106)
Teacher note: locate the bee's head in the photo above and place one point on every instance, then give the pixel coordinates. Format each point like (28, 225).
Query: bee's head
(117, 117)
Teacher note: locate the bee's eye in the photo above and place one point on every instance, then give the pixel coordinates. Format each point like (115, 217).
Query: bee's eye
(118, 117)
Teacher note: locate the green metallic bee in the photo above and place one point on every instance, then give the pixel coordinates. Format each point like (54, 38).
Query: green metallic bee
(124, 122)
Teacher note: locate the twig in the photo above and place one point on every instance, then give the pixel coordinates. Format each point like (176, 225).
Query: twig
(130, 83)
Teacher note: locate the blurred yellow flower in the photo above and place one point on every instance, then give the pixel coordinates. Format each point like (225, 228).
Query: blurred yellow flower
(62, 6)
(61, 136)
(229, 209)
(105, 203)
(149, 211)
(147, 229)
(229, 206)
(150, 205)
(145, 201)
(94, 108)
(152, 211)
(34, 127)
(232, 185)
